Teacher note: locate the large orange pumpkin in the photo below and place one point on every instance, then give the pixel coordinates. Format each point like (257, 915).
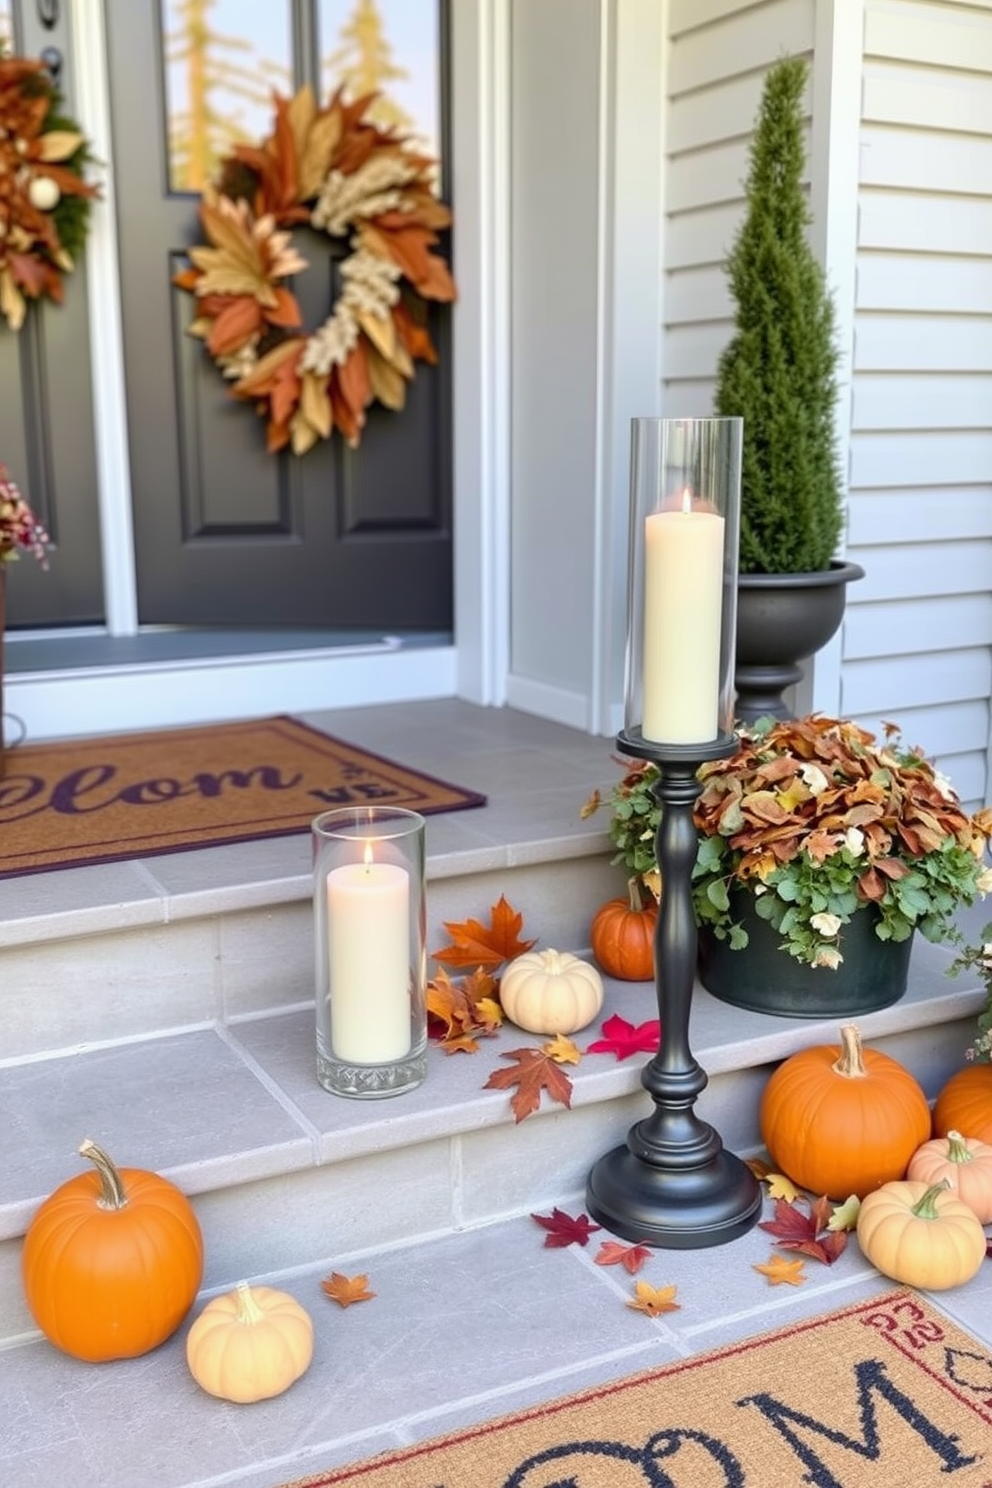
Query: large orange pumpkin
(842, 1121)
(622, 936)
(112, 1261)
(965, 1104)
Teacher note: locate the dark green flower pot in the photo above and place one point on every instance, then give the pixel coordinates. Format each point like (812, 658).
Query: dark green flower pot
(872, 975)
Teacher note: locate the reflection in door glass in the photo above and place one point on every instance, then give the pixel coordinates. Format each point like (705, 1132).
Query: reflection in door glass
(389, 47)
(223, 60)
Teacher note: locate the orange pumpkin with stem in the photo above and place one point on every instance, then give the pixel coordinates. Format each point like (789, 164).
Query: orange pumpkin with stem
(965, 1104)
(964, 1163)
(843, 1121)
(622, 935)
(112, 1261)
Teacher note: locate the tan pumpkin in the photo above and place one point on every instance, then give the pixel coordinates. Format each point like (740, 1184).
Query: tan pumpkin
(922, 1235)
(622, 935)
(965, 1162)
(843, 1121)
(550, 992)
(250, 1344)
(965, 1104)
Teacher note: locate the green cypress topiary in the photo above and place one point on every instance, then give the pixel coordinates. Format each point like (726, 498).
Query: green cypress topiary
(779, 371)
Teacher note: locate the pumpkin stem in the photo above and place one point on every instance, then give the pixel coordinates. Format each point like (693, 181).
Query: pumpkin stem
(957, 1152)
(112, 1195)
(926, 1206)
(249, 1311)
(851, 1063)
(634, 894)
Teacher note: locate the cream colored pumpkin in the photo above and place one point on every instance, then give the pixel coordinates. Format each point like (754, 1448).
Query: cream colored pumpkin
(550, 992)
(965, 1162)
(925, 1237)
(250, 1344)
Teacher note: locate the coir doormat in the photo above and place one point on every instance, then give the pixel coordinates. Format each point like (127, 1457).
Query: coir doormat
(101, 800)
(886, 1394)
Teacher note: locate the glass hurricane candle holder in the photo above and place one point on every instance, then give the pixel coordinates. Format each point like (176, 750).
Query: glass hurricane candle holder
(685, 477)
(370, 945)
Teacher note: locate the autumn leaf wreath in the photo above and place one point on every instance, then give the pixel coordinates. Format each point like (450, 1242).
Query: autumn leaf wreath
(335, 169)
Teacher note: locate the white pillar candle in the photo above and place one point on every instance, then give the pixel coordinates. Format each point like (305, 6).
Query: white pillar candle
(683, 603)
(368, 939)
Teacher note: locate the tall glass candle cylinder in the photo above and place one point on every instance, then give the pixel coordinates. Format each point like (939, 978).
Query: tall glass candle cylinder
(370, 944)
(682, 578)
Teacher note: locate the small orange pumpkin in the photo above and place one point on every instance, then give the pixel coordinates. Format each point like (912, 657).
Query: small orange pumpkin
(622, 936)
(112, 1261)
(843, 1121)
(964, 1162)
(965, 1104)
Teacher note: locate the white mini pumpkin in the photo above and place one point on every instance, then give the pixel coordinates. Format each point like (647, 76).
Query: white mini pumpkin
(250, 1344)
(551, 992)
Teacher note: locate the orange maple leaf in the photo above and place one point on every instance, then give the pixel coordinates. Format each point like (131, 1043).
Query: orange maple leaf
(344, 1290)
(779, 1271)
(630, 1257)
(654, 1300)
(475, 945)
(534, 1071)
(463, 1009)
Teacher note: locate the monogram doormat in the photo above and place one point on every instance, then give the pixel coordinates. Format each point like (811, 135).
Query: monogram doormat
(101, 800)
(886, 1394)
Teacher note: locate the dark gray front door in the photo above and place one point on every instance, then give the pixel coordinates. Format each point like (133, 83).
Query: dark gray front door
(46, 406)
(226, 533)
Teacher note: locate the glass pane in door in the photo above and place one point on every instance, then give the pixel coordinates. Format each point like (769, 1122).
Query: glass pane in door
(389, 47)
(223, 59)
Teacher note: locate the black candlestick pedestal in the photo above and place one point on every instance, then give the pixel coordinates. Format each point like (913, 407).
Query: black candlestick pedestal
(673, 1184)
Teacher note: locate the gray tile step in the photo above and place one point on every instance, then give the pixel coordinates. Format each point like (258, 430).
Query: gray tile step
(281, 1172)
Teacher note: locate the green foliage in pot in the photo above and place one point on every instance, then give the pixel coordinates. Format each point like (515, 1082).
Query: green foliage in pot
(779, 371)
(815, 822)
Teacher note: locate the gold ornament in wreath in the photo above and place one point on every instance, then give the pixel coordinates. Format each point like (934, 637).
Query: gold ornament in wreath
(44, 198)
(336, 170)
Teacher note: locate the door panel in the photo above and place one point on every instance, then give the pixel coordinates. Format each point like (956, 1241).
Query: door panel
(46, 409)
(226, 533)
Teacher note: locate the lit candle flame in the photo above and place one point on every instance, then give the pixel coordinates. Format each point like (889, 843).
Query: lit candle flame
(368, 853)
(687, 501)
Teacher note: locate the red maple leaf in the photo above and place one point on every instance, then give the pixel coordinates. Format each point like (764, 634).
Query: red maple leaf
(564, 1230)
(535, 1071)
(804, 1232)
(623, 1039)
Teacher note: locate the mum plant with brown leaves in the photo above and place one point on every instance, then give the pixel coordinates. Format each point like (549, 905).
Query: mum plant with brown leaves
(812, 821)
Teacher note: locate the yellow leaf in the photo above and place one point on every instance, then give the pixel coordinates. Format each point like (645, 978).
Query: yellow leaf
(488, 1012)
(845, 1216)
(315, 405)
(322, 141)
(302, 109)
(591, 806)
(59, 144)
(779, 1271)
(381, 331)
(387, 384)
(781, 1187)
(304, 436)
(12, 305)
(562, 1050)
(654, 1300)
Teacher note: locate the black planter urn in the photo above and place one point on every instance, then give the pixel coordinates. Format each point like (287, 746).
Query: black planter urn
(872, 975)
(781, 620)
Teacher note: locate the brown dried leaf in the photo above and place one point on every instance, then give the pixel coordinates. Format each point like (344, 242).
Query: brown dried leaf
(533, 1072)
(346, 1290)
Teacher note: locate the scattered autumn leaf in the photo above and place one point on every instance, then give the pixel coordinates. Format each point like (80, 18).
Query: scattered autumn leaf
(475, 944)
(459, 1011)
(845, 1216)
(565, 1229)
(630, 1257)
(759, 1168)
(344, 1290)
(653, 1300)
(534, 1071)
(591, 805)
(806, 1232)
(622, 1038)
(781, 1187)
(779, 1271)
(562, 1049)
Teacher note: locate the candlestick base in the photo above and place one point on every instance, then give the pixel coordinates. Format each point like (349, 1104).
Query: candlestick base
(673, 1184)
